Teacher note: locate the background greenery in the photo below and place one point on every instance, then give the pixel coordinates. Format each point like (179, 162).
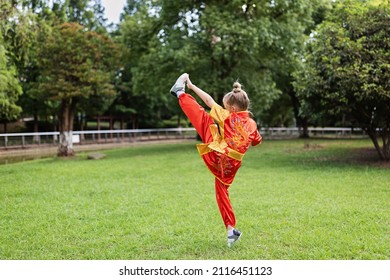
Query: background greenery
(299, 199)
(321, 62)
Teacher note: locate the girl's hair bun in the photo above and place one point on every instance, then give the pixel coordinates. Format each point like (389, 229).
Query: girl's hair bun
(236, 87)
(237, 97)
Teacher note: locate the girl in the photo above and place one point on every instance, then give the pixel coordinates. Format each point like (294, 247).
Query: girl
(224, 145)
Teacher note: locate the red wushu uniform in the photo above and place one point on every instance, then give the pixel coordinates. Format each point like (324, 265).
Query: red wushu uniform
(223, 146)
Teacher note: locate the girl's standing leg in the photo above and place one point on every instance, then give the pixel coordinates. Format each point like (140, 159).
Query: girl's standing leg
(199, 118)
(224, 205)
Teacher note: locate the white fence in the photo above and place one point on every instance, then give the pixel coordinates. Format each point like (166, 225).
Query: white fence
(327, 132)
(23, 140)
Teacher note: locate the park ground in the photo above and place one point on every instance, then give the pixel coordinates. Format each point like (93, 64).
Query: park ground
(294, 199)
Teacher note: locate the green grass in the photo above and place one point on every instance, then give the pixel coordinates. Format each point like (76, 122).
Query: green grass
(317, 199)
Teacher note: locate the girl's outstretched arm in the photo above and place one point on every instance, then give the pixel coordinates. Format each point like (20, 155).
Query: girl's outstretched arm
(207, 99)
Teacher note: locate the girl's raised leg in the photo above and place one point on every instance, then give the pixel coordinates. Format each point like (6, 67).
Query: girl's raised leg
(197, 115)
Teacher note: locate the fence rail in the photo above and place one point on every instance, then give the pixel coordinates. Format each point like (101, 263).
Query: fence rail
(24, 140)
(331, 132)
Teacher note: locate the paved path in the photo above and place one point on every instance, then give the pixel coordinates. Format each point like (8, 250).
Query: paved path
(13, 155)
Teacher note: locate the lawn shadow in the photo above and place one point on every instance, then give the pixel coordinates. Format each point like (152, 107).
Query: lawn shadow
(346, 156)
(314, 153)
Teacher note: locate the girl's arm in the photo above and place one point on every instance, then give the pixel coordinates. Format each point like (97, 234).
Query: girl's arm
(207, 99)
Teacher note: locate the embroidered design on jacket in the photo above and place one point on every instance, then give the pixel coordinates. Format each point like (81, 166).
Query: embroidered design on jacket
(240, 135)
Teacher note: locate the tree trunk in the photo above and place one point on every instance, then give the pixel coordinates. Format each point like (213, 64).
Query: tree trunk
(303, 128)
(66, 117)
(133, 122)
(82, 126)
(178, 120)
(384, 151)
(36, 137)
(386, 143)
(301, 121)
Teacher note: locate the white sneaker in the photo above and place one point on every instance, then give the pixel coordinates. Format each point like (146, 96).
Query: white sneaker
(179, 86)
(234, 237)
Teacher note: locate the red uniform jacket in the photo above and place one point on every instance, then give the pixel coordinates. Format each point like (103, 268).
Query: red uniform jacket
(224, 154)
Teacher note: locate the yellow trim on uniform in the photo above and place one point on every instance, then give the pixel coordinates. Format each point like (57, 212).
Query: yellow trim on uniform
(235, 155)
(218, 145)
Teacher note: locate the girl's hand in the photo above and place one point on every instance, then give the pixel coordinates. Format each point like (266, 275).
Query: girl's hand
(189, 83)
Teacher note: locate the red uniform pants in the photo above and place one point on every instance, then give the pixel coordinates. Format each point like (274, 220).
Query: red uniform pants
(201, 121)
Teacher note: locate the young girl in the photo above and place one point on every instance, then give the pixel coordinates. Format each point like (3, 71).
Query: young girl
(224, 145)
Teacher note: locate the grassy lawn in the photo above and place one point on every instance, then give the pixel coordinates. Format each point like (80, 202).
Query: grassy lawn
(296, 199)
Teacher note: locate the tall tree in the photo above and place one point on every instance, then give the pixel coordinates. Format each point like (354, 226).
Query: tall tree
(28, 68)
(347, 70)
(10, 88)
(283, 69)
(216, 42)
(138, 95)
(89, 13)
(75, 65)
(17, 32)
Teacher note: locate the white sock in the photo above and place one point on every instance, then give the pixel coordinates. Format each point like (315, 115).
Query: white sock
(230, 232)
(179, 93)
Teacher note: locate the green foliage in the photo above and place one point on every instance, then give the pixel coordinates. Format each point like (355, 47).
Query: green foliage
(215, 43)
(10, 88)
(16, 34)
(90, 14)
(18, 28)
(76, 63)
(32, 101)
(347, 69)
(84, 12)
(294, 200)
(258, 42)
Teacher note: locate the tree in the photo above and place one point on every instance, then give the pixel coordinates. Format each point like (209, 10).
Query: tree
(28, 69)
(284, 68)
(47, 14)
(141, 89)
(10, 88)
(75, 65)
(216, 42)
(347, 70)
(89, 13)
(17, 31)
